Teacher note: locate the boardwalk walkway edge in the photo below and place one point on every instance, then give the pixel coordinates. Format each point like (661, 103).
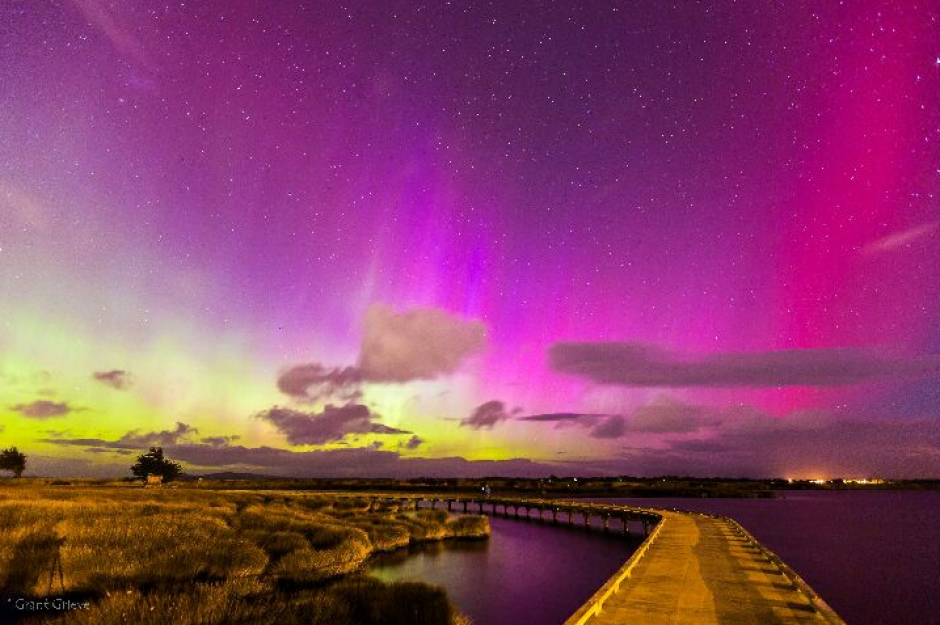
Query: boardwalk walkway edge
(596, 603)
(692, 568)
(824, 609)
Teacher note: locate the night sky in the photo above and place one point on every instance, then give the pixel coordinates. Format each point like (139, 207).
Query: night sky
(471, 238)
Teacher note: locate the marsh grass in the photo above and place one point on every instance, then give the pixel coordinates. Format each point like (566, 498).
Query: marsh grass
(191, 556)
(357, 600)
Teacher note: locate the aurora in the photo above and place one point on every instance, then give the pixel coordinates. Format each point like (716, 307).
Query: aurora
(396, 239)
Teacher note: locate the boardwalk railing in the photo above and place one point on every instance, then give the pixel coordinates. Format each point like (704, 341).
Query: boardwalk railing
(595, 604)
(647, 516)
(817, 602)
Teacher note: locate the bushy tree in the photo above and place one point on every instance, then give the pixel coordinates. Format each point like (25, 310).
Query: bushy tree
(154, 463)
(13, 460)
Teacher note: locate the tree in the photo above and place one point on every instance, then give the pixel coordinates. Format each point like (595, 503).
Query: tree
(153, 463)
(13, 460)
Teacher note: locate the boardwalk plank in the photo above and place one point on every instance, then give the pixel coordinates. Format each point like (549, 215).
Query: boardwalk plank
(700, 572)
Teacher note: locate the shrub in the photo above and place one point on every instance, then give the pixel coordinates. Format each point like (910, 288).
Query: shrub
(359, 601)
(469, 527)
(154, 463)
(121, 551)
(311, 564)
(191, 556)
(13, 460)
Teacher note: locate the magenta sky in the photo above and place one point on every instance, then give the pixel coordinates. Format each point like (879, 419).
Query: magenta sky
(370, 238)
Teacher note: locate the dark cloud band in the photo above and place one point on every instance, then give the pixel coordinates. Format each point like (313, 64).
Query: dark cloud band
(643, 365)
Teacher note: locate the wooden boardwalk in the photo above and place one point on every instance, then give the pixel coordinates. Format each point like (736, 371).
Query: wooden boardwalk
(701, 570)
(692, 569)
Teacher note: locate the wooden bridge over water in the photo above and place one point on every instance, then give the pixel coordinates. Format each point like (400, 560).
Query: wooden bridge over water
(691, 568)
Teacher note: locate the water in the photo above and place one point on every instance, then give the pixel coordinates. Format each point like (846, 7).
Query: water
(874, 556)
(526, 573)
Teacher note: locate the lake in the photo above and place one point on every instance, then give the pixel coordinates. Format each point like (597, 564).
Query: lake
(526, 573)
(874, 556)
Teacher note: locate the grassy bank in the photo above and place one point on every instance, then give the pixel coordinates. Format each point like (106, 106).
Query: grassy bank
(182, 555)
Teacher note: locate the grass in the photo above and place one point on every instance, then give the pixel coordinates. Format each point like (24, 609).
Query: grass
(184, 555)
(356, 600)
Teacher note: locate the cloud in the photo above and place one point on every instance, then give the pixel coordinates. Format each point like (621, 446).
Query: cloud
(398, 347)
(414, 442)
(747, 442)
(332, 424)
(667, 415)
(417, 344)
(116, 378)
(663, 416)
(486, 415)
(314, 381)
(800, 445)
(158, 439)
(219, 441)
(815, 442)
(902, 238)
(369, 461)
(107, 450)
(43, 409)
(133, 439)
(568, 419)
(742, 441)
(612, 427)
(638, 364)
(352, 462)
(561, 417)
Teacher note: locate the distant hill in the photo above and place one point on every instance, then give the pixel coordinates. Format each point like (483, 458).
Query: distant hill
(232, 475)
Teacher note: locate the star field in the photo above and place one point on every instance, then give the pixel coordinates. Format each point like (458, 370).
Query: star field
(198, 198)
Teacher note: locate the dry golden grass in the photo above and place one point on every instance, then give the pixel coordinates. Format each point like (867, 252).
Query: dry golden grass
(185, 555)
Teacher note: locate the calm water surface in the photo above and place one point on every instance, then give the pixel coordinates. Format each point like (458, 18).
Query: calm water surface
(874, 556)
(526, 573)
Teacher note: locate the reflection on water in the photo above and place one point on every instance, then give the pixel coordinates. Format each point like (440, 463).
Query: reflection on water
(429, 549)
(526, 573)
